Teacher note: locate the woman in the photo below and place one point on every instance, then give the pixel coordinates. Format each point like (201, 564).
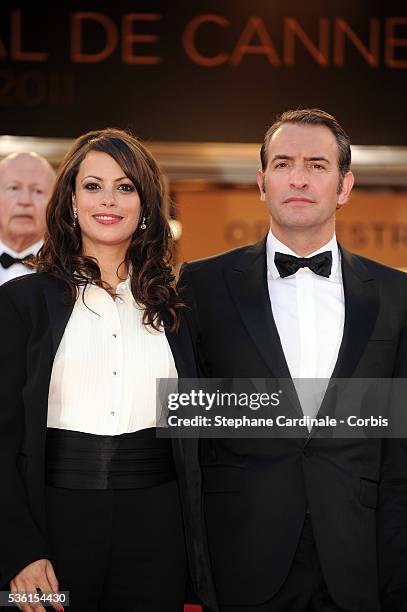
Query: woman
(91, 502)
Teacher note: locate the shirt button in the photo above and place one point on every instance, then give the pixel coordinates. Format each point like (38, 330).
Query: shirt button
(112, 413)
(114, 373)
(114, 335)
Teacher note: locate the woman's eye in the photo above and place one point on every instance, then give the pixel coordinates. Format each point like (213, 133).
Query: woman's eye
(126, 187)
(92, 186)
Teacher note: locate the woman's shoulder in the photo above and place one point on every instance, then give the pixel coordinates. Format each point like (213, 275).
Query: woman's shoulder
(28, 286)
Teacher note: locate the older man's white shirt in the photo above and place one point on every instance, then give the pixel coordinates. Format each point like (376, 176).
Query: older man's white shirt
(17, 269)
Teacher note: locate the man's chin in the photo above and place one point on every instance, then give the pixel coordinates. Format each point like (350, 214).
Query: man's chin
(20, 233)
(301, 220)
(22, 225)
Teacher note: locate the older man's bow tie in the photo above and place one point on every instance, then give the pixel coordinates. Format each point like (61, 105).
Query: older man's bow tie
(287, 265)
(7, 260)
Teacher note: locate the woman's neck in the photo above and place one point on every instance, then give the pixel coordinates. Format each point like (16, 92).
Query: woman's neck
(111, 262)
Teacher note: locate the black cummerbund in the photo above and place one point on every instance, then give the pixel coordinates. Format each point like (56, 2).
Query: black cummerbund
(76, 460)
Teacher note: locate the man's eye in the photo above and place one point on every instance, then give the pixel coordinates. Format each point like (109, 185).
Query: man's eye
(281, 165)
(126, 187)
(318, 167)
(92, 186)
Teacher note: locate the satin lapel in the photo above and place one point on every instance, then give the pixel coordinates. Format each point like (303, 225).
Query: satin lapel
(361, 310)
(248, 285)
(37, 395)
(60, 308)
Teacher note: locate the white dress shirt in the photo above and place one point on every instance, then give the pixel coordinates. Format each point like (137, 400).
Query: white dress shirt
(309, 312)
(104, 374)
(17, 269)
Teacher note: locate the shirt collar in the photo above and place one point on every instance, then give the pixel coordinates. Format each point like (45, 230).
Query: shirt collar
(122, 288)
(31, 250)
(273, 245)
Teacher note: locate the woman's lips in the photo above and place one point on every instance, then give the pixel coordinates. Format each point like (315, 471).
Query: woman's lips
(107, 219)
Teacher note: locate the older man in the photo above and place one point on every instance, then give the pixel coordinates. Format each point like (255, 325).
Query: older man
(26, 183)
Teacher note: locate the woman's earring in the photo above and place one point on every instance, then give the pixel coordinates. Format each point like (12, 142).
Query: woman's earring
(143, 225)
(75, 216)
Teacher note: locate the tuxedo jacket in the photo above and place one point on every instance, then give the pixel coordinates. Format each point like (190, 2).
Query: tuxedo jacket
(34, 311)
(256, 491)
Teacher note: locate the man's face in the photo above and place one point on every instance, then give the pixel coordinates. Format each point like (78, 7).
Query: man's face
(300, 183)
(25, 188)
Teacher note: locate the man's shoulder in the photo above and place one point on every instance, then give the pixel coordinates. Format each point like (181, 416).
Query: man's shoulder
(378, 270)
(227, 259)
(27, 286)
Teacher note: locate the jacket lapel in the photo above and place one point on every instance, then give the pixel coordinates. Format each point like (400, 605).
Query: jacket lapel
(361, 311)
(59, 311)
(248, 285)
(60, 306)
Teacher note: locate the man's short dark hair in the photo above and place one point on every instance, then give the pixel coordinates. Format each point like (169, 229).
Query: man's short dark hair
(312, 116)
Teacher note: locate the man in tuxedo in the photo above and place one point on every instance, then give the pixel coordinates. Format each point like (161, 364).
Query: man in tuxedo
(26, 183)
(308, 523)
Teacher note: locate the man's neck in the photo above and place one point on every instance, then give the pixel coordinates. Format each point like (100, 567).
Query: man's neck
(20, 243)
(301, 242)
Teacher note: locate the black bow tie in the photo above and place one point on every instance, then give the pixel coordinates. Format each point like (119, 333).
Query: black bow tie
(7, 260)
(287, 265)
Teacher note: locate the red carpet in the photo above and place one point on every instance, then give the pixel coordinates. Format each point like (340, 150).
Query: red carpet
(192, 609)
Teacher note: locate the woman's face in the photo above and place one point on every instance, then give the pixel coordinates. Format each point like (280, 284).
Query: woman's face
(107, 203)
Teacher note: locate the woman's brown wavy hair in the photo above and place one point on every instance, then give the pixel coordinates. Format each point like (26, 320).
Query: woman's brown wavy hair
(150, 254)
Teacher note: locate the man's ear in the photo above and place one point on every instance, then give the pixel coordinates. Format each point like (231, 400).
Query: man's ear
(261, 182)
(347, 185)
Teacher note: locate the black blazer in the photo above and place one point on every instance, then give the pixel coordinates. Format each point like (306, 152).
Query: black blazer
(256, 492)
(34, 311)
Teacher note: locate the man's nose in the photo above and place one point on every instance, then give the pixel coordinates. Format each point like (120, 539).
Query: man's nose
(298, 177)
(25, 197)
